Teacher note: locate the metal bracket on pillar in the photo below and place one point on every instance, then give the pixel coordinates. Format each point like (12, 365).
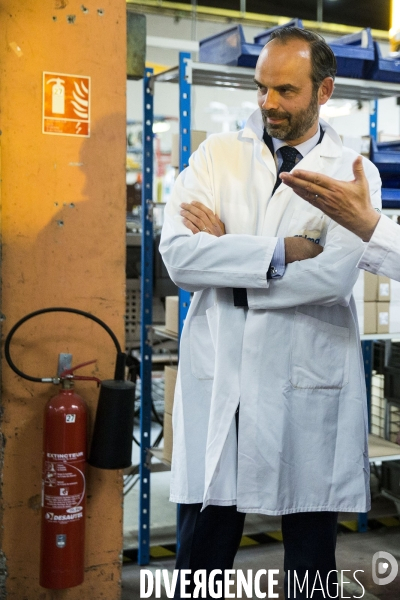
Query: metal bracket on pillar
(185, 89)
(146, 297)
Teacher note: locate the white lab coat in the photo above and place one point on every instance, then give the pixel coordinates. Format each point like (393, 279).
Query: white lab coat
(382, 253)
(292, 360)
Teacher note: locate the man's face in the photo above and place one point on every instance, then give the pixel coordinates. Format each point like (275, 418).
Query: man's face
(289, 104)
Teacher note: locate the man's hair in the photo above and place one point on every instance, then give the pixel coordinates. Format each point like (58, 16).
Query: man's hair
(323, 61)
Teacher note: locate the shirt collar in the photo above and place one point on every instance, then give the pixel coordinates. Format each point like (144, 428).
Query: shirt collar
(303, 148)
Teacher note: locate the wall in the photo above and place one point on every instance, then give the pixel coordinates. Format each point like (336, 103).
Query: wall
(63, 243)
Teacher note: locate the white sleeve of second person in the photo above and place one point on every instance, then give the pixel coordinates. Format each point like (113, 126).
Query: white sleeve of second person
(198, 261)
(382, 253)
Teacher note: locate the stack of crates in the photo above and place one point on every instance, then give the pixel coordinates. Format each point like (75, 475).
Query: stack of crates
(357, 54)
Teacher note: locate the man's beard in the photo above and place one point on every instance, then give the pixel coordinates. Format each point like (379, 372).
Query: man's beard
(295, 125)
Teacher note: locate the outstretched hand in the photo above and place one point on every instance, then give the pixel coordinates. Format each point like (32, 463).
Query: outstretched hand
(346, 202)
(198, 218)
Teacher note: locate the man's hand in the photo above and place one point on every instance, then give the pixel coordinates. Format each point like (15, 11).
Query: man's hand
(346, 202)
(298, 248)
(198, 218)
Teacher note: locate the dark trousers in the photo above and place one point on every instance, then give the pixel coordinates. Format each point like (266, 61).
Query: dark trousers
(210, 539)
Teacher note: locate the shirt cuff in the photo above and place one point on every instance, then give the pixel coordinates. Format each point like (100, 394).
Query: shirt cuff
(277, 266)
(379, 245)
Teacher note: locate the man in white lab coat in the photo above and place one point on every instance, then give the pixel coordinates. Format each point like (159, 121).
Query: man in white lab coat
(270, 412)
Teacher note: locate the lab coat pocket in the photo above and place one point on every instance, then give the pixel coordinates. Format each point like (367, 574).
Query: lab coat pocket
(319, 355)
(202, 352)
(309, 224)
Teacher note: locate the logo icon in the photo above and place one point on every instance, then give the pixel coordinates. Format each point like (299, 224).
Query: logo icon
(381, 561)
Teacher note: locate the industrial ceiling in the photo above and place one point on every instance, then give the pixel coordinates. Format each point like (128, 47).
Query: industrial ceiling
(358, 13)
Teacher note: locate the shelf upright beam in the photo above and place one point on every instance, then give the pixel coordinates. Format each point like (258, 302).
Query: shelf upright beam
(185, 93)
(373, 120)
(146, 304)
(367, 351)
(368, 345)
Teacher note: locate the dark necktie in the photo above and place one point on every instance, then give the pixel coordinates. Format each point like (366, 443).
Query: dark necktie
(289, 156)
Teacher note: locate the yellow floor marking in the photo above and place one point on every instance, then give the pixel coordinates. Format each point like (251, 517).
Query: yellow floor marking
(246, 541)
(353, 525)
(277, 535)
(389, 521)
(159, 551)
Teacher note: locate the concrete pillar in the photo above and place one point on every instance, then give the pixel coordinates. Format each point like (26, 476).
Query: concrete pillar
(63, 244)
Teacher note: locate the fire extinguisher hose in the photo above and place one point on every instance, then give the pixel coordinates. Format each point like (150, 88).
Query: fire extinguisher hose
(120, 363)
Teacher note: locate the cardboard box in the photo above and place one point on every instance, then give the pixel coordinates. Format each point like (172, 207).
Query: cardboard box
(383, 311)
(383, 289)
(196, 138)
(370, 287)
(370, 317)
(171, 314)
(376, 288)
(167, 451)
(376, 317)
(170, 374)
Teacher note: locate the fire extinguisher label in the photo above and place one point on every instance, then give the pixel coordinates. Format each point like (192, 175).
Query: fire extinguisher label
(63, 486)
(70, 418)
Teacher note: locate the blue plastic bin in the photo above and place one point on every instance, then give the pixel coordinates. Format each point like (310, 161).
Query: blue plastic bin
(384, 69)
(229, 48)
(386, 157)
(354, 54)
(263, 37)
(390, 198)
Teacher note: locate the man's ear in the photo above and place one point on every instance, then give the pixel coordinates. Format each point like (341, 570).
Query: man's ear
(325, 90)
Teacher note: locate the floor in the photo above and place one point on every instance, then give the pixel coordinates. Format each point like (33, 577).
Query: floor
(354, 550)
(354, 553)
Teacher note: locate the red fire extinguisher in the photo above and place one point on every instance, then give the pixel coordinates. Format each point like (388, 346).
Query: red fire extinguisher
(64, 454)
(64, 486)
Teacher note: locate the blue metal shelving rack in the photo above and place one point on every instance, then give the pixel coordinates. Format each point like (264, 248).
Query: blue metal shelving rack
(209, 75)
(146, 299)
(147, 281)
(185, 95)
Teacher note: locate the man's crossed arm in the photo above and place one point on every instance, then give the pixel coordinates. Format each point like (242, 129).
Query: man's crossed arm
(198, 218)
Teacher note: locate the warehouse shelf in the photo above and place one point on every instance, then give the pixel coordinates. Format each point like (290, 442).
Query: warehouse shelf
(381, 450)
(379, 336)
(162, 331)
(241, 77)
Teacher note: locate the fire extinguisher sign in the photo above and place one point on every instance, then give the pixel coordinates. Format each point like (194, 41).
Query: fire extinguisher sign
(66, 104)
